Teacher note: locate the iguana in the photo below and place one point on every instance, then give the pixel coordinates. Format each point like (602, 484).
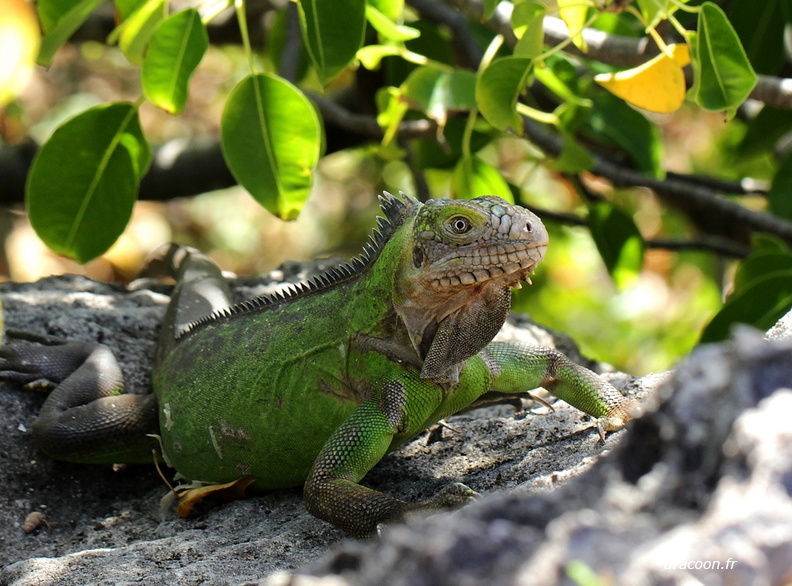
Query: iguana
(313, 386)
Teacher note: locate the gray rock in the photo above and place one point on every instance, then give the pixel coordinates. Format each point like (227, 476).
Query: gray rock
(697, 492)
(106, 525)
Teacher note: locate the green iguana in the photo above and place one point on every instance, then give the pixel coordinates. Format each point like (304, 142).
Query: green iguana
(315, 385)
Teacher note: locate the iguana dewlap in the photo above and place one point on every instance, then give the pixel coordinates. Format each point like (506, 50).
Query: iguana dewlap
(314, 386)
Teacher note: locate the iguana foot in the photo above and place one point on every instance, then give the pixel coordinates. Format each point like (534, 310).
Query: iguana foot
(618, 417)
(450, 497)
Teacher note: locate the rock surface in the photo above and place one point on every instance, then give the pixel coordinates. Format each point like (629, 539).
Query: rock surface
(106, 525)
(698, 491)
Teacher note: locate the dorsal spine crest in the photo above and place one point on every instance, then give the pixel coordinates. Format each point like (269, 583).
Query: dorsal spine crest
(395, 210)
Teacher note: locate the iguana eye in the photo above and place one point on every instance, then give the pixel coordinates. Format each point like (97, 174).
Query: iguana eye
(460, 225)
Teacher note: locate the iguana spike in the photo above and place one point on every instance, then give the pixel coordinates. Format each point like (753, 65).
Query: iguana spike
(395, 208)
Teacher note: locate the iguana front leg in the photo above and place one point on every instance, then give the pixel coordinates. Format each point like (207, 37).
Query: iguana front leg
(87, 417)
(332, 491)
(519, 367)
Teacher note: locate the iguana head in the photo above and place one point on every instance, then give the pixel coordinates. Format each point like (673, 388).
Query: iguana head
(452, 289)
(462, 244)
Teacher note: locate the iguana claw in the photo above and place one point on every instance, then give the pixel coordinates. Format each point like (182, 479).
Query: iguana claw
(618, 418)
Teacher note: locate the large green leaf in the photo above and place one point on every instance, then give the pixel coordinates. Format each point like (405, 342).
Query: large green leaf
(474, 177)
(437, 92)
(618, 240)
(723, 76)
(760, 304)
(177, 47)
(272, 140)
(498, 88)
(333, 32)
(59, 19)
(83, 182)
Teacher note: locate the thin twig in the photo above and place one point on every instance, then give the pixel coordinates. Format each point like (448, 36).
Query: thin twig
(292, 45)
(720, 246)
(367, 125)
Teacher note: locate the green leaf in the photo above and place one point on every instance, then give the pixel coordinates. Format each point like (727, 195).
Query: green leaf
(653, 11)
(761, 30)
(389, 29)
(391, 9)
(618, 240)
(760, 304)
(135, 31)
(615, 123)
(759, 265)
(573, 13)
(59, 19)
(765, 130)
(556, 79)
(573, 158)
(272, 139)
(438, 92)
(474, 177)
(527, 19)
(332, 32)
(498, 88)
(177, 47)
(83, 182)
(489, 8)
(723, 76)
(780, 195)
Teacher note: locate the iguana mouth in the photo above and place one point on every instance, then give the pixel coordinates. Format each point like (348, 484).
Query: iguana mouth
(510, 261)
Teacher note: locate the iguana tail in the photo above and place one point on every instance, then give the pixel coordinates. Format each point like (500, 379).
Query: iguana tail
(200, 289)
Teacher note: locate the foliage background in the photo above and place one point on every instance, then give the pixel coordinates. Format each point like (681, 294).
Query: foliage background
(645, 324)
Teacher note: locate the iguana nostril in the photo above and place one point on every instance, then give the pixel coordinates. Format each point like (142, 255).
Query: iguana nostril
(528, 227)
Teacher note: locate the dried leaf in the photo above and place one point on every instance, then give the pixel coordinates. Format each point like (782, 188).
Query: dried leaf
(231, 491)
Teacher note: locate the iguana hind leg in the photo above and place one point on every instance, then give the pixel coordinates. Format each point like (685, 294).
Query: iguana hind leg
(87, 417)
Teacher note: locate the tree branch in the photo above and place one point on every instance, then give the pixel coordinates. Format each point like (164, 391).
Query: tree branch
(707, 244)
(715, 244)
(713, 214)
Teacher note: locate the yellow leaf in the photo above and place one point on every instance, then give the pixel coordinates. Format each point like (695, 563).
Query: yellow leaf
(230, 491)
(573, 13)
(657, 85)
(19, 45)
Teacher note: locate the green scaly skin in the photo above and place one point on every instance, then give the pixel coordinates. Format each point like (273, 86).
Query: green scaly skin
(314, 387)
